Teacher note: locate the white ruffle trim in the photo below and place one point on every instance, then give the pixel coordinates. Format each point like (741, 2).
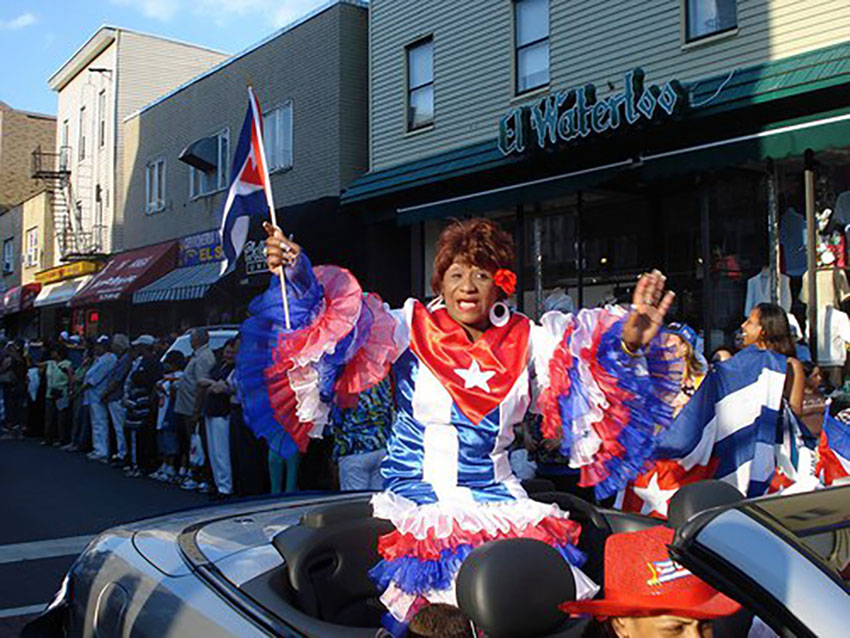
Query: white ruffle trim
(304, 381)
(441, 517)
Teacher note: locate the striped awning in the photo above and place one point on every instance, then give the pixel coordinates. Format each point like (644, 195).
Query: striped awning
(60, 293)
(182, 284)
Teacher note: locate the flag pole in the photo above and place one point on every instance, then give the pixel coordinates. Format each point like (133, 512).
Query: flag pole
(269, 197)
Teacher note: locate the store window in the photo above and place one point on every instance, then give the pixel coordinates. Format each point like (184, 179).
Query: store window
(420, 84)
(9, 256)
(277, 136)
(82, 134)
(704, 18)
(531, 35)
(205, 182)
(32, 248)
(101, 118)
(155, 185)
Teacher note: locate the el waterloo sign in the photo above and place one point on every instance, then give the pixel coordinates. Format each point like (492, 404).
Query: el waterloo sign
(575, 114)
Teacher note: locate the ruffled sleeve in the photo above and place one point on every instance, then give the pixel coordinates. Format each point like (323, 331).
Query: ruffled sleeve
(341, 342)
(606, 406)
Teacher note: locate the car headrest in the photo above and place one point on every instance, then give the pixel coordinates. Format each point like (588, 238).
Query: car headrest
(513, 587)
(325, 515)
(698, 497)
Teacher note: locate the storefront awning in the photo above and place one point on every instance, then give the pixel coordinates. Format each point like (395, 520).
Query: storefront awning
(126, 273)
(182, 284)
(20, 298)
(60, 293)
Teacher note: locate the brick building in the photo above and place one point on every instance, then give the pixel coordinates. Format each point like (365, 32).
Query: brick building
(20, 133)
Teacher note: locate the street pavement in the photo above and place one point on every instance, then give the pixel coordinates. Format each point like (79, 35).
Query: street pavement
(51, 504)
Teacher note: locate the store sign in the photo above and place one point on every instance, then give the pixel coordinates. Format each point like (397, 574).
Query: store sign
(68, 271)
(255, 257)
(576, 114)
(202, 248)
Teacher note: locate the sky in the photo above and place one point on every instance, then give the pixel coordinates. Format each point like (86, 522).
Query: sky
(38, 36)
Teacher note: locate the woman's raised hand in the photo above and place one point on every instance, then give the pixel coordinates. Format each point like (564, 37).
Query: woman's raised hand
(279, 249)
(649, 305)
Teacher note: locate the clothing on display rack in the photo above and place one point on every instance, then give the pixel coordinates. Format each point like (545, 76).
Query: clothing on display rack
(792, 236)
(832, 287)
(758, 291)
(833, 336)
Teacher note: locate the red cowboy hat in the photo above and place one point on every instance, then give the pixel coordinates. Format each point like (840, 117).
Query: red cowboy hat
(642, 580)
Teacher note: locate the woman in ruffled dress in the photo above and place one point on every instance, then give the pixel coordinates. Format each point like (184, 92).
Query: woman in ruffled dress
(465, 370)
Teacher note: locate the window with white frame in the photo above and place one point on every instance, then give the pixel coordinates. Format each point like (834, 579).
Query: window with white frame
(101, 118)
(82, 134)
(155, 185)
(420, 84)
(531, 37)
(704, 18)
(9, 255)
(32, 248)
(206, 182)
(277, 137)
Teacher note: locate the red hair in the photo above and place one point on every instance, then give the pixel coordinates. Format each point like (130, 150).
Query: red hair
(477, 242)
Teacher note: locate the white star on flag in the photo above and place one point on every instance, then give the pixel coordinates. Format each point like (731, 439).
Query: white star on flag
(654, 498)
(475, 377)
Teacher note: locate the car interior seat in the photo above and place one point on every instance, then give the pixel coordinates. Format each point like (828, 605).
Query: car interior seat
(512, 588)
(694, 498)
(328, 556)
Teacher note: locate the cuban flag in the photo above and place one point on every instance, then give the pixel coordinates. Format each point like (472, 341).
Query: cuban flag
(730, 430)
(250, 192)
(833, 463)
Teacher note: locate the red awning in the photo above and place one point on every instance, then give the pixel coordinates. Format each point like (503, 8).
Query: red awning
(127, 272)
(20, 298)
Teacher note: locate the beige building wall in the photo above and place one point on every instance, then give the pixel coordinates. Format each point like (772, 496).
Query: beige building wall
(319, 65)
(20, 133)
(36, 217)
(129, 69)
(10, 231)
(590, 41)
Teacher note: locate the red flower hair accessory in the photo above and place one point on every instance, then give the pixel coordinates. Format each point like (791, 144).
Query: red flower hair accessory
(505, 280)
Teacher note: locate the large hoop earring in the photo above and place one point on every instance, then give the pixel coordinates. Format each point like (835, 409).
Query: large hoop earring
(499, 314)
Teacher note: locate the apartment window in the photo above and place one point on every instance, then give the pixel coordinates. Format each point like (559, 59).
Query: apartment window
(9, 255)
(32, 248)
(277, 136)
(82, 140)
(420, 84)
(709, 17)
(64, 158)
(155, 185)
(206, 182)
(531, 34)
(101, 118)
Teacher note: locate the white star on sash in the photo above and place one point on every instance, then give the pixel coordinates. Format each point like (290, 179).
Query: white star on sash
(475, 377)
(654, 498)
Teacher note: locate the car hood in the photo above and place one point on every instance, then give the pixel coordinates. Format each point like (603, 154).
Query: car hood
(226, 535)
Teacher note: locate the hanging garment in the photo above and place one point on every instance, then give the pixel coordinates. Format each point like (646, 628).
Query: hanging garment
(792, 236)
(758, 291)
(833, 335)
(832, 287)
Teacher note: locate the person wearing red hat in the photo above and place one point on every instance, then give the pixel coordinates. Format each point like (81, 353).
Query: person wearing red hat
(648, 595)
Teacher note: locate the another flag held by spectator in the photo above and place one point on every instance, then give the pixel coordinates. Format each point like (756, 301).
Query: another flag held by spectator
(249, 181)
(833, 466)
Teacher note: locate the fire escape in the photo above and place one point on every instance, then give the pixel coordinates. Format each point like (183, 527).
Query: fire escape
(77, 238)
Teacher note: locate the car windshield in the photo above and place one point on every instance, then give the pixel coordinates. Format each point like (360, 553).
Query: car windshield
(821, 522)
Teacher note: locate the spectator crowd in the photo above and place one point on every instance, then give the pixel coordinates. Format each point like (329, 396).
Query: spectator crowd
(149, 410)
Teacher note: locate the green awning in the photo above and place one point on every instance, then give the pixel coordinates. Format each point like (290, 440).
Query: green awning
(507, 197)
(781, 140)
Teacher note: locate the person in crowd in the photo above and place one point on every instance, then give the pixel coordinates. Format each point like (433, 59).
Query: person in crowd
(683, 339)
(36, 391)
(648, 595)
(160, 347)
(767, 328)
(58, 373)
(721, 354)
(13, 376)
(115, 393)
(464, 369)
(140, 398)
(360, 438)
(188, 407)
(80, 414)
(216, 391)
(248, 453)
(283, 472)
(166, 419)
(439, 620)
(95, 384)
